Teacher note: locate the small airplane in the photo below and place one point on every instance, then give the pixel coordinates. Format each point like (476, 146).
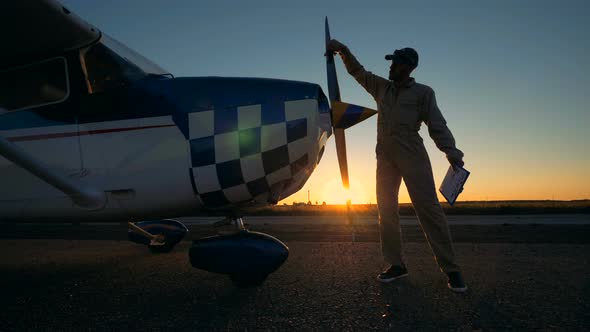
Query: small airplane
(91, 130)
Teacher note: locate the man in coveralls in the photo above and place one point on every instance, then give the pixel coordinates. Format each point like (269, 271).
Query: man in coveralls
(402, 106)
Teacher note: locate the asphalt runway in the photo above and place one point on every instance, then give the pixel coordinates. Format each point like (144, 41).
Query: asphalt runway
(87, 277)
(510, 219)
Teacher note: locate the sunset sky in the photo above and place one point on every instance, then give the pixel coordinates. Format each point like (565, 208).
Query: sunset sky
(511, 78)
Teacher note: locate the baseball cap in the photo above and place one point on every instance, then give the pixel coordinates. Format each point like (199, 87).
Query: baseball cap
(405, 55)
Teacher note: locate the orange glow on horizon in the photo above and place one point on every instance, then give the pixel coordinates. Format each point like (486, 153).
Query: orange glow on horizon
(495, 176)
(493, 186)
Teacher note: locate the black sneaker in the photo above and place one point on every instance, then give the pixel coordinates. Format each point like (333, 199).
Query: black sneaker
(392, 273)
(456, 282)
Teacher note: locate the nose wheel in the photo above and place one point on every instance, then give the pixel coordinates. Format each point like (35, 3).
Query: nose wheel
(246, 257)
(242, 280)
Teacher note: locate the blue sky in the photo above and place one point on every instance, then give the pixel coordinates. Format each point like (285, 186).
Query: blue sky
(511, 77)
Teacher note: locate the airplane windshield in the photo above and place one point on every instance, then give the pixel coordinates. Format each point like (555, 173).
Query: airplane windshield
(111, 64)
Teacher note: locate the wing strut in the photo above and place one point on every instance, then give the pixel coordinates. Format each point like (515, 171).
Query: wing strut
(83, 196)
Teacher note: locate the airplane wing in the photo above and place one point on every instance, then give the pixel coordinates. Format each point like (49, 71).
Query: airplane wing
(33, 29)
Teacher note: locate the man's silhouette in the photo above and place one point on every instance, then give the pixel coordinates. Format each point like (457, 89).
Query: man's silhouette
(402, 106)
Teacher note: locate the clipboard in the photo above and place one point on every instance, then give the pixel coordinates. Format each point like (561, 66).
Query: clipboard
(453, 183)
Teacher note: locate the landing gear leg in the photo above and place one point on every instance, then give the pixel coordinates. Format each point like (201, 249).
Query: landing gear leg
(160, 235)
(157, 240)
(236, 221)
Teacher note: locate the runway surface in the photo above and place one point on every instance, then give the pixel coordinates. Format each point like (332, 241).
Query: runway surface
(87, 277)
(515, 219)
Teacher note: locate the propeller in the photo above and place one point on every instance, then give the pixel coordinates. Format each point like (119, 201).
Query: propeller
(343, 115)
(334, 94)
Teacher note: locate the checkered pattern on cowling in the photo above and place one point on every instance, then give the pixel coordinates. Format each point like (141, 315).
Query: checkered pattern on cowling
(237, 154)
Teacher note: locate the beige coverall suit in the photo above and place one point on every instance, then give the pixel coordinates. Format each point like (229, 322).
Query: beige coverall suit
(401, 154)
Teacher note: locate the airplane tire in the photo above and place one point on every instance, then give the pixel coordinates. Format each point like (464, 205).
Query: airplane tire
(247, 280)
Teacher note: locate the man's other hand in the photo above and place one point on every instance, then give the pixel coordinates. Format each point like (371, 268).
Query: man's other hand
(456, 160)
(335, 46)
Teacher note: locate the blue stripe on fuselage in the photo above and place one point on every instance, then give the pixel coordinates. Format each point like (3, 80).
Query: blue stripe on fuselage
(29, 119)
(205, 93)
(197, 94)
(122, 103)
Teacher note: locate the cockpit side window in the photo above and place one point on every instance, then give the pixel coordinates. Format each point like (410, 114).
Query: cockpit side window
(106, 69)
(34, 85)
(109, 64)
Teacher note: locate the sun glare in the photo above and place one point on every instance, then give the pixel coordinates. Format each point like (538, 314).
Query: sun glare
(335, 193)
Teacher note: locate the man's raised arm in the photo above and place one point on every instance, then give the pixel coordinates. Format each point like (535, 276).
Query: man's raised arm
(375, 85)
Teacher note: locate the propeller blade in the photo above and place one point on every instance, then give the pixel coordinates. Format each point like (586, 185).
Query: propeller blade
(334, 92)
(341, 152)
(333, 88)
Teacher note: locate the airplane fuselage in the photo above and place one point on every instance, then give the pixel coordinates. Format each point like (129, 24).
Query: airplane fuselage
(161, 146)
